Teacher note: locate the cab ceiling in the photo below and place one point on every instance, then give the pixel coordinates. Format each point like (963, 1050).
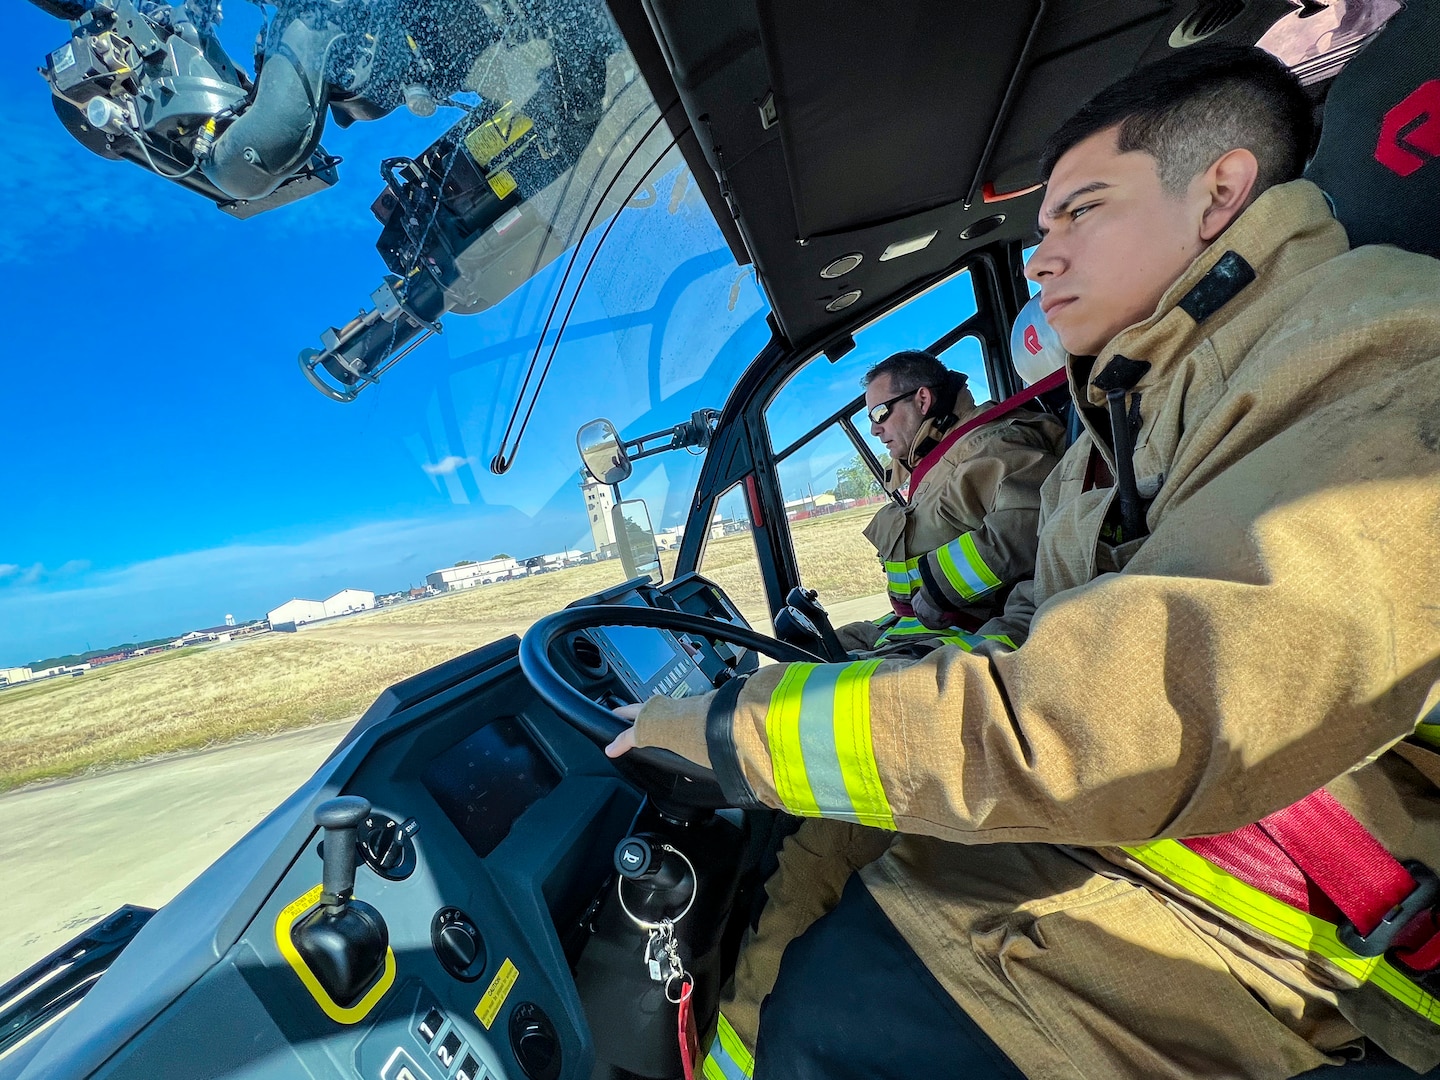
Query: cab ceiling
(821, 131)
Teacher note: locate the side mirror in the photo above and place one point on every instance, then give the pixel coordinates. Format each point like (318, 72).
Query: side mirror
(634, 536)
(603, 452)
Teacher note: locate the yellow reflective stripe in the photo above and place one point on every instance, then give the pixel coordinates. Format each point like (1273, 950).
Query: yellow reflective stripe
(912, 627)
(972, 556)
(855, 747)
(729, 1059)
(821, 749)
(964, 569)
(906, 625)
(903, 576)
(1428, 733)
(1203, 879)
(782, 731)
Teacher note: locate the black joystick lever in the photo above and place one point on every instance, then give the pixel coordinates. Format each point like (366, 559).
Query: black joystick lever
(342, 940)
(340, 818)
(807, 602)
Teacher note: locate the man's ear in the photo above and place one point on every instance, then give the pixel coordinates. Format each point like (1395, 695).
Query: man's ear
(1227, 184)
(924, 399)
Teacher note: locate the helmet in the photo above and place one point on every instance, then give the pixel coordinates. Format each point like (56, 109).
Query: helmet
(1034, 347)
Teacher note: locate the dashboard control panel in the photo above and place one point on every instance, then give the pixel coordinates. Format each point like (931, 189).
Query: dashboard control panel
(482, 827)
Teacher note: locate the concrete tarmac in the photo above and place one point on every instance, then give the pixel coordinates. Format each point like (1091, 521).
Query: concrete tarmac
(77, 850)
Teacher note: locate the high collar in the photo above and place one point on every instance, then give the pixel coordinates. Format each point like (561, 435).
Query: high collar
(933, 429)
(1286, 231)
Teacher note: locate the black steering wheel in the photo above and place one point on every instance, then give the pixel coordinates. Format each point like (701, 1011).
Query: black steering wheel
(661, 772)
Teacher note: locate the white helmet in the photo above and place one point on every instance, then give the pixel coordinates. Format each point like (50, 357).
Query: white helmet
(1034, 347)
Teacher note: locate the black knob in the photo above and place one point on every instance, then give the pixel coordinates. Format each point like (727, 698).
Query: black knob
(458, 944)
(387, 846)
(340, 818)
(635, 858)
(535, 1042)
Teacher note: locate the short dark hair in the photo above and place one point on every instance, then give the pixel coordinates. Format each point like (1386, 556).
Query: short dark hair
(1187, 110)
(911, 369)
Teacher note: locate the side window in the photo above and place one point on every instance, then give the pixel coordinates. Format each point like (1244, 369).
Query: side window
(830, 496)
(728, 558)
(821, 388)
(821, 438)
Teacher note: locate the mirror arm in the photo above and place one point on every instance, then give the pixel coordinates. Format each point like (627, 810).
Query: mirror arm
(696, 431)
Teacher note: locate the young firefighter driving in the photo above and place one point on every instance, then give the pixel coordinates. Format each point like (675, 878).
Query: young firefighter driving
(1184, 829)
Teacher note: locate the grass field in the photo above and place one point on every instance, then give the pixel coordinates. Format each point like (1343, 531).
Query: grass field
(203, 696)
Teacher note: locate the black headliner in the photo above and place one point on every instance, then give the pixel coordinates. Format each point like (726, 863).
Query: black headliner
(893, 120)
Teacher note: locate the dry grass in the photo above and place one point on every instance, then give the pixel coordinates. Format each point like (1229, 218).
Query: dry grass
(199, 697)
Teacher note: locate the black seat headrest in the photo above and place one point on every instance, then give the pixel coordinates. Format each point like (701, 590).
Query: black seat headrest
(1379, 153)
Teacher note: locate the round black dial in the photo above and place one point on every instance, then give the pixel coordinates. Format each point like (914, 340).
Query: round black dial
(535, 1042)
(458, 944)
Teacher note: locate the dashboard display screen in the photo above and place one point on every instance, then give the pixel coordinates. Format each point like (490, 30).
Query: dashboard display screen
(486, 782)
(645, 649)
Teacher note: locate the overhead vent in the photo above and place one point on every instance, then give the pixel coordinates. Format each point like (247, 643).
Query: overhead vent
(1208, 18)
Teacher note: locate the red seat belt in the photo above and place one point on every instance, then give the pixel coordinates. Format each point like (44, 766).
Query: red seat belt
(1055, 379)
(1384, 903)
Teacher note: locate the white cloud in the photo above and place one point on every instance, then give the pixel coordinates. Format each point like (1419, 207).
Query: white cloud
(30, 575)
(446, 466)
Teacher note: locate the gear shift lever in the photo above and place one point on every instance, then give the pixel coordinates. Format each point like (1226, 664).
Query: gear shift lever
(343, 941)
(340, 818)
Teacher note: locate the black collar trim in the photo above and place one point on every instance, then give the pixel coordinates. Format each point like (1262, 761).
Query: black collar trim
(1121, 373)
(1217, 288)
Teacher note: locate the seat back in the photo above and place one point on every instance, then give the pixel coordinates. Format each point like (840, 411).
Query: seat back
(1379, 152)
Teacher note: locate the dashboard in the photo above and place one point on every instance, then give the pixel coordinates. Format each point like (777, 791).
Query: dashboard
(487, 854)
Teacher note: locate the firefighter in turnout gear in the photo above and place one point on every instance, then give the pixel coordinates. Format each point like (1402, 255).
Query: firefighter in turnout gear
(1190, 825)
(963, 538)
(966, 531)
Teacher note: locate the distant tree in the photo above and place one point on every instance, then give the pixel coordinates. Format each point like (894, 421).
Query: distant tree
(466, 562)
(502, 555)
(856, 481)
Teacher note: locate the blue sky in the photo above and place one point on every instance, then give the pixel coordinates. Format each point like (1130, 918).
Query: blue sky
(165, 462)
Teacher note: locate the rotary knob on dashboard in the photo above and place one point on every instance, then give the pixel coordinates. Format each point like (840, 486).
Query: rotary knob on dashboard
(535, 1042)
(388, 846)
(458, 944)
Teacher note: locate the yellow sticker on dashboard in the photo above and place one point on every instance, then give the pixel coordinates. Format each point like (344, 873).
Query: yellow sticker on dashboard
(494, 998)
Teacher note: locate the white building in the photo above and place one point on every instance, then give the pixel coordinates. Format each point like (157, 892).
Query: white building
(598, 501)
(297, 612)
(347, 600)
(453, 578)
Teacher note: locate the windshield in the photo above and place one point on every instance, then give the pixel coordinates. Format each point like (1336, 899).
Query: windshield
(201, 549)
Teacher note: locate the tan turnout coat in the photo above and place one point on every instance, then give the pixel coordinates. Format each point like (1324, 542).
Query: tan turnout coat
(969, 524)
(1277, 632)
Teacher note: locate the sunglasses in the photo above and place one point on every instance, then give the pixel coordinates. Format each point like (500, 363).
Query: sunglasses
(878, 414)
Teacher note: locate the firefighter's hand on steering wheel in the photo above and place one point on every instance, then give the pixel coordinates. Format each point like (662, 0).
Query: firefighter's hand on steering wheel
(625, 741)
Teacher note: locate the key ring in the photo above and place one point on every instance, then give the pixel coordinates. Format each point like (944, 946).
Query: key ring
(687, 984)
(620, 892)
